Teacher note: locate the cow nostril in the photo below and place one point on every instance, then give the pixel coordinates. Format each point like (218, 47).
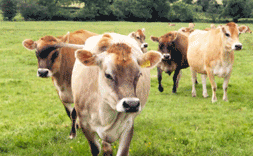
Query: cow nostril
(43, 73)
(131, 105)
(145, 45)
(238, 47)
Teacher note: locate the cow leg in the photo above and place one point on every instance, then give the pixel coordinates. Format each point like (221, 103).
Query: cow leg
(107, 148)
(93, 141)
(124, 142)
(74, 125)
(176, 78)
(194, 78)
(213, 84)
(68, 108)
(203, 77)
(159, 76)
(225, 87)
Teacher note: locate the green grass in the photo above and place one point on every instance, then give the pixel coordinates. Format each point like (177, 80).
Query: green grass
(34, 122)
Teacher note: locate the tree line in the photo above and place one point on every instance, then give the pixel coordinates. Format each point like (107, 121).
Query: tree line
(127, 10)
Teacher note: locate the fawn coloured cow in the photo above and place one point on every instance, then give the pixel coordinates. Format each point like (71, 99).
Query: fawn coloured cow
(110, 84)
(211, 53)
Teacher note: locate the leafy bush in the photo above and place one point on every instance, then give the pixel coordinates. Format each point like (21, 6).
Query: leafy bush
(9, 9)
(34, 11)
(181, 12)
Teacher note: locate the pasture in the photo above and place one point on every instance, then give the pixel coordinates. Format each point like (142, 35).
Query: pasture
(33, 120)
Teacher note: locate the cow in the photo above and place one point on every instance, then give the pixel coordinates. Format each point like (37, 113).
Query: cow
(57, 62)
(207, 29)
(244, 29)
(140, 37)
(186, 31)
(212, 26)
(110, 84)
(211, 53)
(191, 25)
(173, 46)
(171, 24)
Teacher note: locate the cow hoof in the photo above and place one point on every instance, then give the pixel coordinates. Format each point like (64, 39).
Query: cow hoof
(72, 136)
(205, 96)
(193, 94)
(174, 91)
(196, 82)
(160, 89)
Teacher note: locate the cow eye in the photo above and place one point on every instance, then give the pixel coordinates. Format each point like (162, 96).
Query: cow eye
(54, 56)
(108, 76)
(138, 37)
(227, 34)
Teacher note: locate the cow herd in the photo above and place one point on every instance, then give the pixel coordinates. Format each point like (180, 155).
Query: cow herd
(107, 76)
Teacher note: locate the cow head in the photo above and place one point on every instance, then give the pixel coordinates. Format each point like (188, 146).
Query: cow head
(186, 31)
(47, 54)
(140, 37)
(47, 50)
(119, 73)
(166, 44)
(231, 36)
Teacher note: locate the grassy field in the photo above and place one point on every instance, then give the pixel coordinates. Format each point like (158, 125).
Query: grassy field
(34, 122)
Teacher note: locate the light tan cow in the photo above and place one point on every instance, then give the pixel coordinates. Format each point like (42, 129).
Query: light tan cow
(186, 31)
(244, 29)
(212, 26)
(171, 24)
(111, 83)
(191, 25)
(211, 53)
(140, 37)
(57, 62)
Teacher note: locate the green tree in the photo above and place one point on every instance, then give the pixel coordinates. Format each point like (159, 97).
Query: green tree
(213, 10)
(237, 9)
(9, 9)
(204, 4)
(187, 1)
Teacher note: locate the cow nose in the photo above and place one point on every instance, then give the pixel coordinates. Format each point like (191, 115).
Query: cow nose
(166, 56)
(238, 46)
(43, 73)
(131, 105)
(145, 45)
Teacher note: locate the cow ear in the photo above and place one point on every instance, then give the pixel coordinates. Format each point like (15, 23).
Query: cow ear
(150, 59)
(175, 36)
(86, 57)
(154, 39)
(132, 34)
(29, 44)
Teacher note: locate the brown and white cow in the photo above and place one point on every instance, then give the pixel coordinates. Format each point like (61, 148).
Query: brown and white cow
(173, 47)
(171, 24)
(244, 29)
(211, 53)
(191, 25)
(57, 62)
(212, 26)
(110, 88)
(140, 37)
(186, 31)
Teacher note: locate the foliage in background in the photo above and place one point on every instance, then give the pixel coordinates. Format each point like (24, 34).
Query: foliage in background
(182, 12)
(237, 9)
(9, 9)
(187, 1)
(34, 11)
(204, 4)
(213, 10)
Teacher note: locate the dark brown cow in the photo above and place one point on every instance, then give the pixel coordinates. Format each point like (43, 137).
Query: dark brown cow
(57, 62)
(173, 46)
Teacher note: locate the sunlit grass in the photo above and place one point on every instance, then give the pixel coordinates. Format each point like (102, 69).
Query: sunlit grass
(34, 122)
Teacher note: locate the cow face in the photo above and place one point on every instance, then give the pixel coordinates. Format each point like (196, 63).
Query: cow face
(119, 73)
(231, 36)
(140, 37)
(166, 44)
(47, 54)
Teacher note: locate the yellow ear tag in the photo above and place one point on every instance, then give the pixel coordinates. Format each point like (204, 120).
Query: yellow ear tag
(146, 64)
